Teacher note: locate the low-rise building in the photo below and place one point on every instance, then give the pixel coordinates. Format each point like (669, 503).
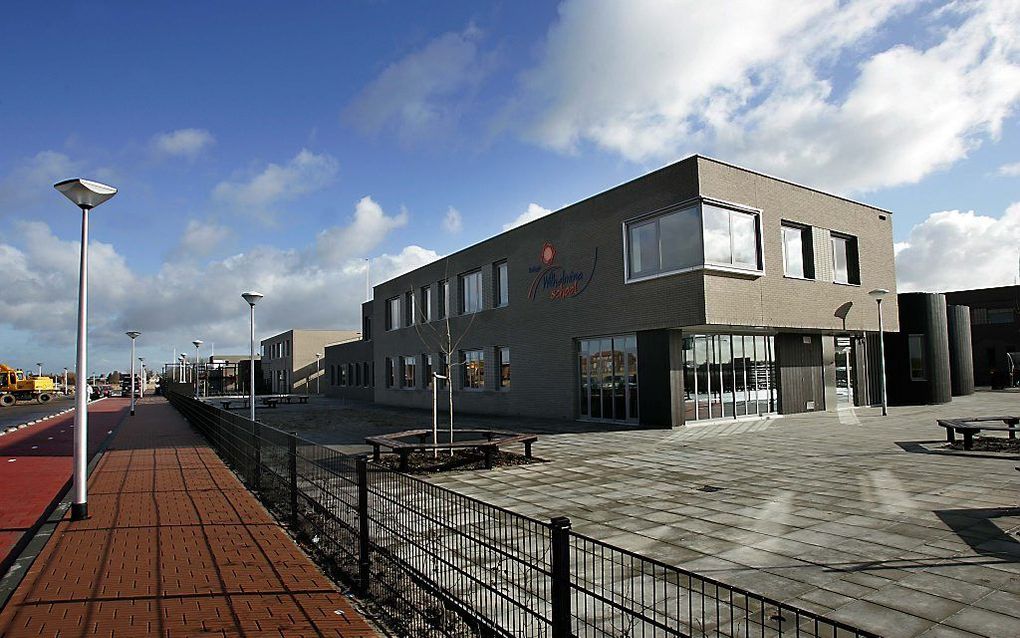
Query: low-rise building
(289, 361)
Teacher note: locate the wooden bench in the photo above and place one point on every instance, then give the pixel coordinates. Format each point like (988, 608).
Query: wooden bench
(969, 426)
(489, 446)
(270, 402)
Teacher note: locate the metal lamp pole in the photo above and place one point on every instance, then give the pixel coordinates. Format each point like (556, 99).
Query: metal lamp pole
(65, 382)
(86, 195)
(198, 344)
(134, 335)
(39, 372)
(252, 297)
(317, 355)
(141, 377)
(878, 293)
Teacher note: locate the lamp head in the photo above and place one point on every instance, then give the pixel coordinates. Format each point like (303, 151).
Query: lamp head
(252, 297)
(197, 342)
(878, 293)
(133, 334)
(84, 192)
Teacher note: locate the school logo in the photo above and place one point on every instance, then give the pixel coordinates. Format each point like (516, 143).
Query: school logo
(555, 281)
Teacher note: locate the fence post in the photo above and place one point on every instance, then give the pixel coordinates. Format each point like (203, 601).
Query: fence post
(292, 472)
(364, 560)
(256, 442)
(560, 592)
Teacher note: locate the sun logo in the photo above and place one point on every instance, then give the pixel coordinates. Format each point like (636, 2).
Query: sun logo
(548, 254)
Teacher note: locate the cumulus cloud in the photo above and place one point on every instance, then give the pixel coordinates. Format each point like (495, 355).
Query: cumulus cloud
(453, 222)
(367, 229)
(1010, 170)
(185, 142)
(799, 89)
(533, 212)
(32, 180)
(260, 194)
(954, 250)
(184, 299)
(201, 238)
(424, 92)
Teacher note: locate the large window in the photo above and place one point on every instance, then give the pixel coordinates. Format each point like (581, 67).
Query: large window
(426, 303)
(503, 354)
(393, 313)
(915, 345)
(474, 369)
(701, 234)
(609, 378)
(410, 308)
(407, 369)
(499, 276)
(728, 376)
(664, 244)
(845, 267)
(798, 255)
(470, 292)
(444, 299)
(427, 378)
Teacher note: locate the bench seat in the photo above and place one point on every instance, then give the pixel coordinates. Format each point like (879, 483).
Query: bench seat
(970, 426)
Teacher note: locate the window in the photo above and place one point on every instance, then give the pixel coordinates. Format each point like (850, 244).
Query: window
(407, 372)
(332, 374)
(915, 344)
(503, 353)
(390, 378)
(1000, 315)
(357, 375)
(426, 303)
(798, 255)
(731, 237)
(667, 243)
(366, 378)
(474, 369)
(444, 371)
(350, 374)
(845, 268)
(470, 292)
(409, 306)
(427, 378)
(366, 327)
(343, 375)
(444, 299)
(499, 273)
(393, 313)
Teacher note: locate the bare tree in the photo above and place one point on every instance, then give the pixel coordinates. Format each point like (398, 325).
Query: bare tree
(440, 336)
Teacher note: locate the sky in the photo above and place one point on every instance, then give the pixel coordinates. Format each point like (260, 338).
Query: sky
(290, 147)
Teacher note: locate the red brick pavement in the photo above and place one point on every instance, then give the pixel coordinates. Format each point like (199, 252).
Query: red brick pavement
(175, 546)
(35, 464)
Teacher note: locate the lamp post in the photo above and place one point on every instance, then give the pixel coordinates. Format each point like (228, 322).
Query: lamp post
(65, 381)
(198, 344)
(134, 335)
(317, 355)
(141, 379)
(182, 367)
(86, 195)
(39, 369)
(252, 298)
(878, 294)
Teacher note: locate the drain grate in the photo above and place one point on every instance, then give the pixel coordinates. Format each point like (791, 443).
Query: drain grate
(709, 488)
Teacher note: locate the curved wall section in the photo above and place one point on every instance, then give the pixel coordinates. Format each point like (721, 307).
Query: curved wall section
(961, 352)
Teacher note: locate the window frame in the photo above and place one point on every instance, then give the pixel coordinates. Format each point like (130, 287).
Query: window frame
(500, 280)
(504, 382)
(444, 299)
(426, 304)
(917, 339)
(466, 376)
(853, 258)
(408, 383)
(806, 248)
(427, 378)
(394, 320)
(462, 289)
(410, 309)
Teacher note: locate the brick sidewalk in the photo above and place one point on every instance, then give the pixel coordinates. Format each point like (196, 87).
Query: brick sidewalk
(175, 546)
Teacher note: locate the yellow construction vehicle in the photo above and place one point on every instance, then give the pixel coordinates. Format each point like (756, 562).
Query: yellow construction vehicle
(15, 386)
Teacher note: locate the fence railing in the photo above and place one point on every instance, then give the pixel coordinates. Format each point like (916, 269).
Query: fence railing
(438, 563)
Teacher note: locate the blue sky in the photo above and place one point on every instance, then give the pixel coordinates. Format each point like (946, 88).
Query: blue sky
(278, 145)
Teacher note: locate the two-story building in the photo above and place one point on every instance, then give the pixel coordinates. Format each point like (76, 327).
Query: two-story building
(699, 291)
(292, 361)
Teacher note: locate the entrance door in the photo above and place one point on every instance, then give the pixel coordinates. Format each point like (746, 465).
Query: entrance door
(844, 373)
(608, 381)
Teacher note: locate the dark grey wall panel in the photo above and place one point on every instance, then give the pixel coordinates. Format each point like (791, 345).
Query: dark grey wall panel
(961, 353)
(654, 377)
(799, 363)
(924, 314)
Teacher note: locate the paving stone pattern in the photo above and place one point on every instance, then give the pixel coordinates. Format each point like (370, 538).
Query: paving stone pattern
(175, 546)
(841, 514)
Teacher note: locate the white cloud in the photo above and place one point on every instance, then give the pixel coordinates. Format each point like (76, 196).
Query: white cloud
(275, 184)
(185, 142)
(453, 222)
(424, 92)
(201, 238)
(366, 231)
(1010, 170)
(533, 212)
(954, 250)
(32, 180)
(791, 88)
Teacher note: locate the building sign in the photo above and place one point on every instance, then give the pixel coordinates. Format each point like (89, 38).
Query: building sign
(558, 282)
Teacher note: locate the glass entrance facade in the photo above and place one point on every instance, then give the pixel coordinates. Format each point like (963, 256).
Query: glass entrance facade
(609, 378)
(729, 376)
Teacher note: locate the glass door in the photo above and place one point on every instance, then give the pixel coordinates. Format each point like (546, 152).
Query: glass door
(608, 379)
(728, 376)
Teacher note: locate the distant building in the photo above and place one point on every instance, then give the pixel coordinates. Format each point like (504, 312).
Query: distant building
(289, 362)
(995, 331)
(228, 373)
(349, 370)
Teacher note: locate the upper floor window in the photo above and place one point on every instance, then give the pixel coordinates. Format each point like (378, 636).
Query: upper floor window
(845, 266)
(366, 327)
(471, 292)
(697, 235)
(426, 303)
(798, 254)
(393, 313)
(500, 272)
(444, 299)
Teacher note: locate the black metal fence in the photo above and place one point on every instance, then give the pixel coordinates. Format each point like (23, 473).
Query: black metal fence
(438, 563)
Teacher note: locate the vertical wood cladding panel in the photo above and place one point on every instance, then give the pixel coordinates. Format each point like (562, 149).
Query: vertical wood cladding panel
(961, 354)
(799, 363)
(654, 377)
(920, 314)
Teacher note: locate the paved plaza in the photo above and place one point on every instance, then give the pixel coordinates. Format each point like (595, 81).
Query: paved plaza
(850, 514)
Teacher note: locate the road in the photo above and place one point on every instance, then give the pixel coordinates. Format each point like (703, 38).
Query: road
(23, 412)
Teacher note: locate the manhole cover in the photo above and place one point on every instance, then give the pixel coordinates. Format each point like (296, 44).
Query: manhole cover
(709, 488)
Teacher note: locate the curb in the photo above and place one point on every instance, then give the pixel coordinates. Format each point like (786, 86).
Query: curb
(14, 428)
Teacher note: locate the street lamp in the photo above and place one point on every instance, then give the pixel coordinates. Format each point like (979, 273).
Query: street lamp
(86, 195)
(877, 294)
(141, 380)
(183, 368)
(39, 372)
(134, 335)
(252, 298)
(317, 355)
(198, 344)
(65, 381)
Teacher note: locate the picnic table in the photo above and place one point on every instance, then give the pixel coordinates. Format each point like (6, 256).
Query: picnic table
(490, 443)
(969, 426)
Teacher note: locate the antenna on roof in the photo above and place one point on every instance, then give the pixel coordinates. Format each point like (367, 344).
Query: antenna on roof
(368, 285)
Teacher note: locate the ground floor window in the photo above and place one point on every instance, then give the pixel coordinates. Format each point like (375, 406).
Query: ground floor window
(427, 378)
(390, 376)
(474, 369)
(609, 378)
(407, 372)
(729, 376)
(503, 353)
